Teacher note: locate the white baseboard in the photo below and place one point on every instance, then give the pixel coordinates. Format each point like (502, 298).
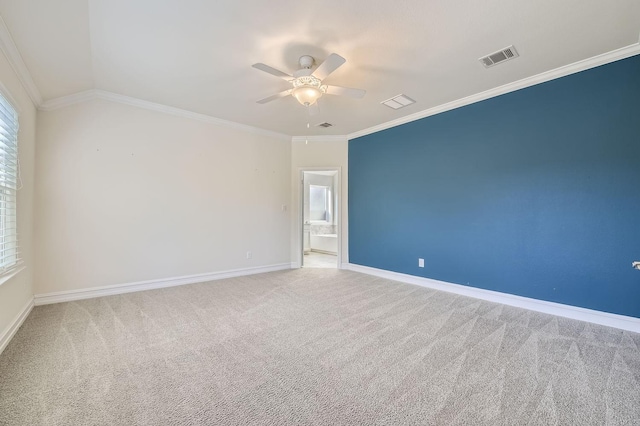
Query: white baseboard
(68, 296)
(11, 330)
(567, 311)
(295, 265)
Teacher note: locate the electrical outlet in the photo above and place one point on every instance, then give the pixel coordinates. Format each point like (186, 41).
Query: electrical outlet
(421, 263)
(249, 255)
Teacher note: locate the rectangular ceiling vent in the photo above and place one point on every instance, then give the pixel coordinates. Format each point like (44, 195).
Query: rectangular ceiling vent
(500, 56)
(399, 101)
(325, 124)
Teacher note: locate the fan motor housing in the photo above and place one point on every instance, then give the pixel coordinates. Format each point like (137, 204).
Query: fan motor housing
(306, 61)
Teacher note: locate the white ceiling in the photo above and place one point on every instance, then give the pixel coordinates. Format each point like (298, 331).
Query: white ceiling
(197, 54)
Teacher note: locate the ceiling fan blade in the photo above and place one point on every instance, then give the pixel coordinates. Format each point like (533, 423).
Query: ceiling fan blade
(274, 97)
(272, 71)
(345, 91)
(332, 63)
(314, 109)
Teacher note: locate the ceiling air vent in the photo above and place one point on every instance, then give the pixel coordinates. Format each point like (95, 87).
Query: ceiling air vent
(325, 124)
(398, 102)
(499, 56)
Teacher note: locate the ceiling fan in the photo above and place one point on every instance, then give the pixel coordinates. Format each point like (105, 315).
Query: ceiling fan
(307, 85)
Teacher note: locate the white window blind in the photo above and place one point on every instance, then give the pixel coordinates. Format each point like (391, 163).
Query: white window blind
(9, 178)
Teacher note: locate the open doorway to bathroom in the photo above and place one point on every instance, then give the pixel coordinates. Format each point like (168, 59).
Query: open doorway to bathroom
(319, 223)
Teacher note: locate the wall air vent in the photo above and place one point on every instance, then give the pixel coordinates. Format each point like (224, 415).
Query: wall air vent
(500, 56)
(398, 102)
(325, 124)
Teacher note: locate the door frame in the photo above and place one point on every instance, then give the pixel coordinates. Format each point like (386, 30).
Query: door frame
(299, 245)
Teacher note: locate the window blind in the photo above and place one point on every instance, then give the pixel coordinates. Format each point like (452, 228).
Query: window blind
(9, 178)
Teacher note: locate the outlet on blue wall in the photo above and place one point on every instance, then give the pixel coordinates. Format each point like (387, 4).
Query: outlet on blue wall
(534, 193)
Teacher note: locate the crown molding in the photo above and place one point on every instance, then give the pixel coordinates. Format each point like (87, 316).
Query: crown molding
(89, 95)
(8, 46)
(65, 101)
(320, 138)
(596, 61)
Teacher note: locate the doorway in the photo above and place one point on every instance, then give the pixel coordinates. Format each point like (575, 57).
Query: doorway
(319, 225)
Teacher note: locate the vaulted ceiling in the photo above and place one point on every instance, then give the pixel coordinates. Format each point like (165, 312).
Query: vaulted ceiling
(197, 54)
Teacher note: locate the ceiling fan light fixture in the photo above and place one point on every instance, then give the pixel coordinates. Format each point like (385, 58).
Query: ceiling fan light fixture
(307, 89)
(307, 95)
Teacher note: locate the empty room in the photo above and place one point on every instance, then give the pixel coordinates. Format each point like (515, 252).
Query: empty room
(319, 213)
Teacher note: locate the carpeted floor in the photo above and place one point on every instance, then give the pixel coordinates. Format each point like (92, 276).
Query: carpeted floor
(318, 347)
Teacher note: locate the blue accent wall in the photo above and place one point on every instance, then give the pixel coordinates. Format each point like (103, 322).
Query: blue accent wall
(534, 193)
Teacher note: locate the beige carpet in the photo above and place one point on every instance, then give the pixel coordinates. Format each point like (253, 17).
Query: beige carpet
(317, 347)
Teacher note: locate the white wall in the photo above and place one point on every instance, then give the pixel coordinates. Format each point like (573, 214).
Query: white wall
(16, 292)
(126, 194)
(318, 154)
